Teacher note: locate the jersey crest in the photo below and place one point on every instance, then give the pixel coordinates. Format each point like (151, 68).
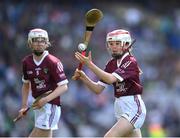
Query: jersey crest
(45, 70)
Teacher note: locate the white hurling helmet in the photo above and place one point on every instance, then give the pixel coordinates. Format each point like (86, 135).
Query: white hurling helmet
(119, 35)
(37, 33)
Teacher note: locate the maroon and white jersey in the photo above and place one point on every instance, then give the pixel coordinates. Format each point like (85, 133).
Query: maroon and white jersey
(126, 70)
(44, 75)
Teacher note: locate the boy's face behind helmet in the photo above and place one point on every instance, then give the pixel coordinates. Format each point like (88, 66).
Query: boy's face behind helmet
(118, 42)
(38, 41)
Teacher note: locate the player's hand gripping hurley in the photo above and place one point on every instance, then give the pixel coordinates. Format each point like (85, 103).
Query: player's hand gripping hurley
(92, 17)
(36, 100)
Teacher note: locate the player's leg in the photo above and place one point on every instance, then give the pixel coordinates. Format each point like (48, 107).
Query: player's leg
(37, 132)
(135, 133)
(122, 128)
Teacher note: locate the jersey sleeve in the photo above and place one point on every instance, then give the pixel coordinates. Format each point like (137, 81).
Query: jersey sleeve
(24, 73)
(127, 70)
(58, 74)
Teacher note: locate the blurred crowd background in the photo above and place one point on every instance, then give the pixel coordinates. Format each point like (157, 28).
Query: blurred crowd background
(154, 24)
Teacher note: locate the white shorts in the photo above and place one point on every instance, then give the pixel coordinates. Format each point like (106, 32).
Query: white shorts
(132, 108)
(47, 117)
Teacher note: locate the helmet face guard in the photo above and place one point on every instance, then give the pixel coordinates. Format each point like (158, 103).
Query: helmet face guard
(122, 36)
(38, 36)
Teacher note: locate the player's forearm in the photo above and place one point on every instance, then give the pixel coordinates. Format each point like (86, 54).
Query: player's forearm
(93, 86)
(25, 94)
(106, 77)
(57, 92)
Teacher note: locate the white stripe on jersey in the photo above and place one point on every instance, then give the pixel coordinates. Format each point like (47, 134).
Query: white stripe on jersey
(60, 66)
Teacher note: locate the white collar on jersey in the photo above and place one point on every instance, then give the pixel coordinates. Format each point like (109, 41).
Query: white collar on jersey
(39, 62)
(120, 60)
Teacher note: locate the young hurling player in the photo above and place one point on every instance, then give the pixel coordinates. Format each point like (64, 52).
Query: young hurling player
(43, 72)
(123, 73)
